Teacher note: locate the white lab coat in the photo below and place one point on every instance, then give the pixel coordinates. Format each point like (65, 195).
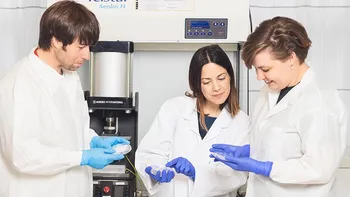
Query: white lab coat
(304, 135)
(174, 133)
(44, 125)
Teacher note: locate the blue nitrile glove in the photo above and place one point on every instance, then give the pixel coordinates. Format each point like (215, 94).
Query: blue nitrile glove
(99, 157)
(107, 142)
(236, 151)
(247, 164)
(183, 166)
(164, 176)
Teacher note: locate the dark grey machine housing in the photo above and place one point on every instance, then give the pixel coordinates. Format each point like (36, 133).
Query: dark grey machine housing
(113, 112)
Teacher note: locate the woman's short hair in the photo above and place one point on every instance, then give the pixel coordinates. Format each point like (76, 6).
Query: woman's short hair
(282, 36)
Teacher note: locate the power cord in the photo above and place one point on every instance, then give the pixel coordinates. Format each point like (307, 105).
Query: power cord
(138, 178)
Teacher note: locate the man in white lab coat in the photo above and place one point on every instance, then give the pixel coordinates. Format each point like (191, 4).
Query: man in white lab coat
(185, 128)
(298, 129)
(47, 148)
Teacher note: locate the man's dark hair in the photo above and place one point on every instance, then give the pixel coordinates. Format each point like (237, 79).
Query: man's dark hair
(68, 21)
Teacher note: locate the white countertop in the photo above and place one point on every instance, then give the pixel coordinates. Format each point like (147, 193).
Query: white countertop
(345, 163)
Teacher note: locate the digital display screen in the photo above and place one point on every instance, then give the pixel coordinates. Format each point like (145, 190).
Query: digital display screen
(200, 25)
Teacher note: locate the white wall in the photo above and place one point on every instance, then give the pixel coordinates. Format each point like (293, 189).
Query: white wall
(158, 76)
(19, 30)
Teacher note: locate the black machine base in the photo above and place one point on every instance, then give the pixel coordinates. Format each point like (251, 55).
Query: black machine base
(111, 188)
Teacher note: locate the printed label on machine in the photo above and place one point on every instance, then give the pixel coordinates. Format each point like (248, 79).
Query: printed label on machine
(174, 5)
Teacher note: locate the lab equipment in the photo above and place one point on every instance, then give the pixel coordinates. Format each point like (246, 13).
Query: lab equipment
(155, 169)
(122, 149)
(113, 111)
(160, 173)
(113, 141)
(184, 21)
(219, 155)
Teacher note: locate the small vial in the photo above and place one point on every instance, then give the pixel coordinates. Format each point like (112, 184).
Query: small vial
(155, 169)
(219, 155)
(122, 148)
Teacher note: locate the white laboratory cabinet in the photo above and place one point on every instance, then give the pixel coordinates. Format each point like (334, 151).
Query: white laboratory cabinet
(343, 178)
(171, 21)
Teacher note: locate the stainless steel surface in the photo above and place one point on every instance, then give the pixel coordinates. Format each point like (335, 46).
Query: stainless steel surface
(129, 71)
(115, 170)
(110, 74)
(110, 125)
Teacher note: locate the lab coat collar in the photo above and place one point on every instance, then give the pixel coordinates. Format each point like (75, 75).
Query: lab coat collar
(223, 120)
(291, 97)
(50, 78)
(221, 123)
(191, 110)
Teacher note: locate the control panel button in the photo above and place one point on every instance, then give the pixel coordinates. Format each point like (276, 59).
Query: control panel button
(206, 28)
(106, 189)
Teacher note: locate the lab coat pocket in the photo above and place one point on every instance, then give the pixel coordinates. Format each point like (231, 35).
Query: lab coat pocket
(285, 143)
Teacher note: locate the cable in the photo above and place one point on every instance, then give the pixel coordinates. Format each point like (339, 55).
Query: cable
(127, 169)
(138, 178)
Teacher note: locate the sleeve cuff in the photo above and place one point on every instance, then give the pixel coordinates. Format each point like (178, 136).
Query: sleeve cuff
(75, 158)
(273, 170)
(92, 134)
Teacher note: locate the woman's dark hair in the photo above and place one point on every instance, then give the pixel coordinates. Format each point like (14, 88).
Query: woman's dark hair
(203, 56)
